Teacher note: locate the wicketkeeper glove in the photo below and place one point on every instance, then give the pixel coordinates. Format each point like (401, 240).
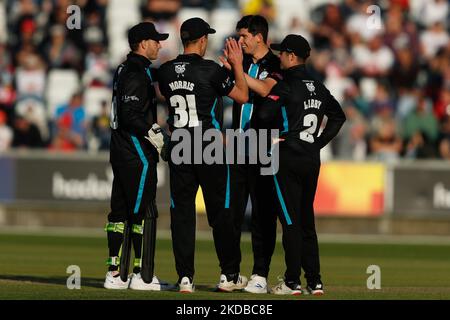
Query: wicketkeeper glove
(159, 139)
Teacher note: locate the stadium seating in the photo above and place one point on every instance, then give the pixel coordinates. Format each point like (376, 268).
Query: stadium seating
(120, 16)
(224, 21)
(61, 85)
(93, 98)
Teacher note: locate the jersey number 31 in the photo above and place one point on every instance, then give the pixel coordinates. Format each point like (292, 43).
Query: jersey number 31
(186, 110)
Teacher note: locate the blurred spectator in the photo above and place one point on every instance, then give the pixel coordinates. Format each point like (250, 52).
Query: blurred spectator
(434, 73)
(94, 28)
(6, 134)
(352, 96)
(296, 26)
(351, 140)
(33, 110)
(400, 34)
(96, 64)
(71, 121)
(434, 11)
(341, 55)
(65, 139)
(405, 71)
(101, 128)
(263, 8)
(7, 92)
(206, 4)
(375, 59)
(442, 106)
(156, 10)
(432, 39)
(59, 16)
(444, 138)
(164, 14)
(30, 76)
(357, 24)
(60, 52)
(419, 146)
(385, 144)
(21, 18)
(330, 25)
(406, 103)
(421, 121)
(383, 101)
(26, 134)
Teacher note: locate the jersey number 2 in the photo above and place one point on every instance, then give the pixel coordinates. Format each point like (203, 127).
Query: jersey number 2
(186, 116)
(310, 121)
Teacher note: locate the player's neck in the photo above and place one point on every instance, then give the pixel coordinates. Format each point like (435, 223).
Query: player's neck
(260, 53)
(141, 53)
(192, 50)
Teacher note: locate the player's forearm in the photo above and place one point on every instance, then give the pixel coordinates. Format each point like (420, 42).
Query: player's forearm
(240, 84)
(331, 130)
(261, 87)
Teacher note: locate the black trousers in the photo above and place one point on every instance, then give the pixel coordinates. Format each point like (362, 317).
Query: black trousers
(247, 181)
(214, 180)
(134, 187)
(295, 186)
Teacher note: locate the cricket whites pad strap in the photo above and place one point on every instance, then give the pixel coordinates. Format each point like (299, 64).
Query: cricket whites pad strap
(115, 227)
(113, 261)
(137, 228)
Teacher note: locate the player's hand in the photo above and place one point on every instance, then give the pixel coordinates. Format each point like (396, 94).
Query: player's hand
(225, 62)
(277, 140)
(234, 49)
(158, 139)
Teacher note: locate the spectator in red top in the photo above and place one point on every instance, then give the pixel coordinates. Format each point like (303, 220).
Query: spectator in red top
(65, 139)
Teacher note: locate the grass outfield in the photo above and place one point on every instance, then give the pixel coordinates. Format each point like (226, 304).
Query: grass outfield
(34, 267)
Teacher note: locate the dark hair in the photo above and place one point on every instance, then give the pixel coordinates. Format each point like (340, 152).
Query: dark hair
(189, 42)
(243, 23)
(255, 24)
(134, 46)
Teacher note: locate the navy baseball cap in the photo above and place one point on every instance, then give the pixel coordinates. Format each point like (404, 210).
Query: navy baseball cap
(293, 43)
(144, 31)
(195, 28)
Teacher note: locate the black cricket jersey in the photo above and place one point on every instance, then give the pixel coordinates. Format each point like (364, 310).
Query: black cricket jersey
(133, 111)
(296, 106)
(267, 66)
(193, 88)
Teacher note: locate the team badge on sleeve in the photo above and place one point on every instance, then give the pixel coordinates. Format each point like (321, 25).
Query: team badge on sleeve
(263, 75)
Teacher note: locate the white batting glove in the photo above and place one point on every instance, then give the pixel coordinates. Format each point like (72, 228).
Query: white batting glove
(157, 138)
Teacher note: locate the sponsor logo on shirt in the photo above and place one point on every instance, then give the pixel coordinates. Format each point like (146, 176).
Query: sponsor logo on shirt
(129, 98)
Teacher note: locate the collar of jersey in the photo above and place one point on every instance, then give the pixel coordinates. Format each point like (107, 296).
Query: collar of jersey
(260, 61)
(139, 59)
(192, 56)
(296, 70)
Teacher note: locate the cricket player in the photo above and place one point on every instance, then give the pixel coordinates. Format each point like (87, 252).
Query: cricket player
(193, 88)
(134, 159)
(262, 71)
(298, 104)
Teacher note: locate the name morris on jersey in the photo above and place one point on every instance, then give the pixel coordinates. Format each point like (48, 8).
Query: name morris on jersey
(178, 85)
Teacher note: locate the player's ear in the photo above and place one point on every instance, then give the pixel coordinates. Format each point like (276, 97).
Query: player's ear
(294, 58)
(259, 38)
(143, 44)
